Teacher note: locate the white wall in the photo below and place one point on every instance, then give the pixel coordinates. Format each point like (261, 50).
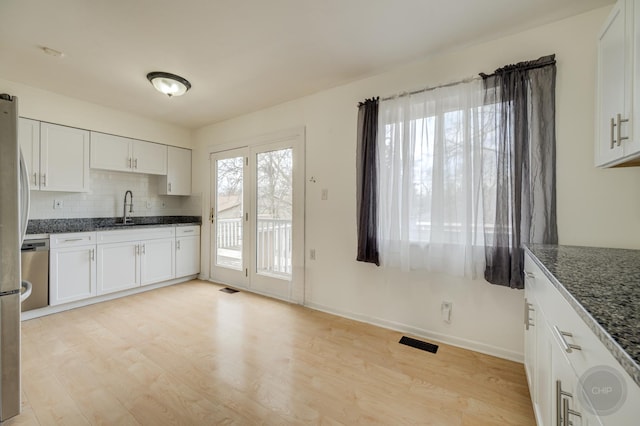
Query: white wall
(595, 207)
(48, 106)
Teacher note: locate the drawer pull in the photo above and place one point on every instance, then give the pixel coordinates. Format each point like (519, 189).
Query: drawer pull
(529, 274)
(188, 230)
(69, 240)
(568, 347)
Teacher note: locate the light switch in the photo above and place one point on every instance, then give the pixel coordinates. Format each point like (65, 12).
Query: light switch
(325, 194)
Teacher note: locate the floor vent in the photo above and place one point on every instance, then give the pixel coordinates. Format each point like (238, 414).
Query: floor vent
(419, 344)
(228, 290)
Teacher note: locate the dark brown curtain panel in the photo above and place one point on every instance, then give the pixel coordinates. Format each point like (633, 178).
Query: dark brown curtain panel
(367, 181)
(522, 98)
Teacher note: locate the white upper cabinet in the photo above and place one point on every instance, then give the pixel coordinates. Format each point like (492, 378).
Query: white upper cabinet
(29, 137)
(618, 88)
(178, 178)
(57, 157)
(110, 152)
(64, 159)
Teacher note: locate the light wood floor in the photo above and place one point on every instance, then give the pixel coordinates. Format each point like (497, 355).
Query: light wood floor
(190, 354)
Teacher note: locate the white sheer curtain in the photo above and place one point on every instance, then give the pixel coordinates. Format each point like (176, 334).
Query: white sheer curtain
(429, 180)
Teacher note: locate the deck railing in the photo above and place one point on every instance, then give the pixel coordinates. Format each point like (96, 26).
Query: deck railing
(273, 245)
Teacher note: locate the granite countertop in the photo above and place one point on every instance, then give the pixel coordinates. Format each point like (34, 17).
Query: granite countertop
(59, 226)
(603, 286)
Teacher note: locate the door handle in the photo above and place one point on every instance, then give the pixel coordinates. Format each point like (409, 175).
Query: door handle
(612, 127)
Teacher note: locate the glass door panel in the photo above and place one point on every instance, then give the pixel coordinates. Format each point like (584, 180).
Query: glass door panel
(229, 209)
(274, 213)
(228, 218)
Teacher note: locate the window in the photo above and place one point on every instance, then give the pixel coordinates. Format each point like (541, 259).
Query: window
(432, 151)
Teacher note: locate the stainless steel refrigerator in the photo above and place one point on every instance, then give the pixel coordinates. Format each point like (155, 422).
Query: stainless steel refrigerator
(14, 211)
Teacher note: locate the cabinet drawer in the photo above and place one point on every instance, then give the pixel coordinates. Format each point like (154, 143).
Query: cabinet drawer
(135, 234)
(72, 239)
(187, 231)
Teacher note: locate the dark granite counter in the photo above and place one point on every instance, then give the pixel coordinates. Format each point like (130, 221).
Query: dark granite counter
(59, 226)
(603, 286)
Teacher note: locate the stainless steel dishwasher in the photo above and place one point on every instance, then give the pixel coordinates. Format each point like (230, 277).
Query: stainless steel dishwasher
(35, 269)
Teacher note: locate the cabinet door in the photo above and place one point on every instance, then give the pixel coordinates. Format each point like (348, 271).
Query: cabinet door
(149, 157)
(178, 179)
(29, 137)
(109, 152)
(613, 87)
(187, 256)
(64, 158)
(118, 267)
(72, 274)
(157, 260)
(543, 399)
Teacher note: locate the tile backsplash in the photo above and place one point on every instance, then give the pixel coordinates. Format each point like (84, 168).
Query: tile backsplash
(107, 195)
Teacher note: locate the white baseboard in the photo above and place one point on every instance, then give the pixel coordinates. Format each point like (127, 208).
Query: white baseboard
(473, 345)
(36, 313)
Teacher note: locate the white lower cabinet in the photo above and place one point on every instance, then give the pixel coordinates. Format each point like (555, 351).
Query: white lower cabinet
(118, 267)
(561, 353)
(72, 267)
(89, 264)
(157, 260)
(131, 258)
(187, 251)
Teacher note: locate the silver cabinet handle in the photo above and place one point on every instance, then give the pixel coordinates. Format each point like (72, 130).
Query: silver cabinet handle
(560, 402)
(43, 178)
(178, 244)
(68, 240)
(135, 163)
(144, 249)
(528, 307)
(529, 274)
(35, 178)
(188, 230)
(619, 126)
(566, 412)
(169, 186)
(568, 347)
(612, 126)
(137, 248)
(93, 254)
(129, 162)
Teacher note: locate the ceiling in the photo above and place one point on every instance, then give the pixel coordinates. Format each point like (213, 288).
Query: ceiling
(239, 55)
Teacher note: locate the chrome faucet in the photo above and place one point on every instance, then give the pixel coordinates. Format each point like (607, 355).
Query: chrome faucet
(125, 218)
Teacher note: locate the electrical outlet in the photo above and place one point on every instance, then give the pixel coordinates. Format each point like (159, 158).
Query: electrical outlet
(445, 311)
(57, 204)
(312, 254)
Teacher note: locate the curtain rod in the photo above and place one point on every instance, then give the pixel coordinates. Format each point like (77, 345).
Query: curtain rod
(523, 66)
(427, 89)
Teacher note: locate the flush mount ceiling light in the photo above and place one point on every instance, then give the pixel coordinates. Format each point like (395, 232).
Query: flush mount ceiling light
(169, 84)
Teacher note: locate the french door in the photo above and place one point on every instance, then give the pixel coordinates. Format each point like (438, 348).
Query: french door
(257, 201)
